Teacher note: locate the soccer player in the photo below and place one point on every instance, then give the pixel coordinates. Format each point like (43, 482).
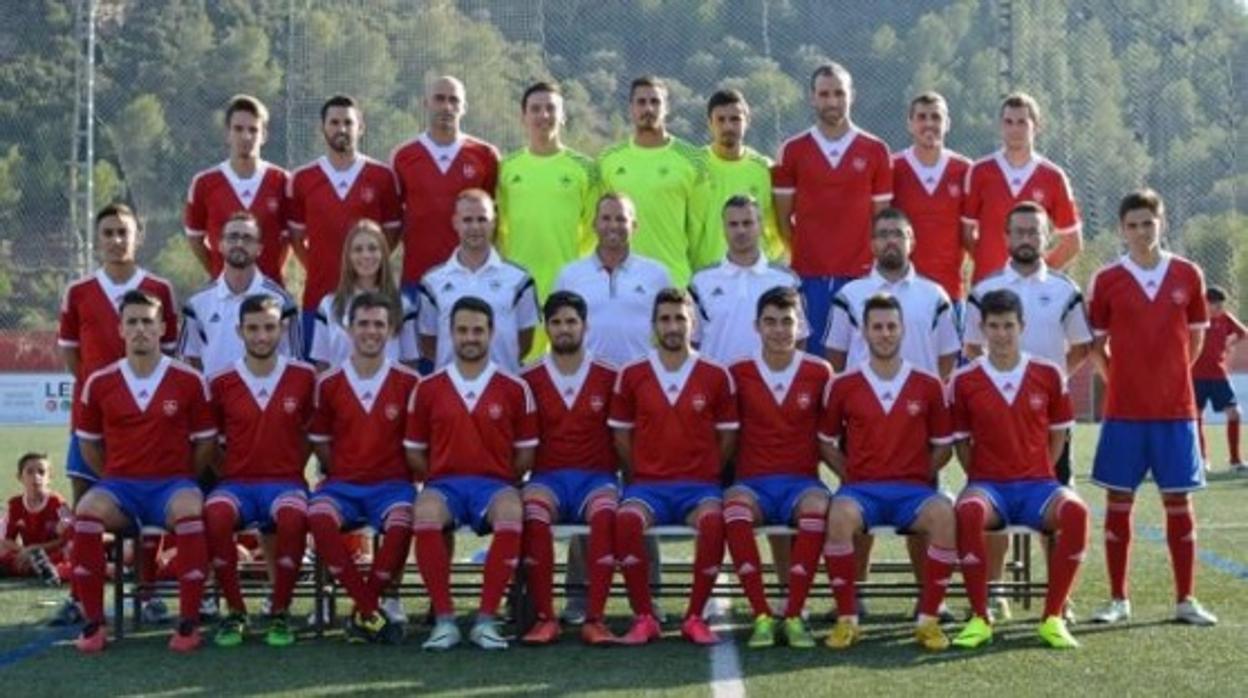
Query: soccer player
(780, 393)
(208, 341)
(1148, 317)
(476, 269)
(829, 181)
(546, 195)
(574, 472)
(149, 399)
(1013, 174)
(674, 414)
(471, 432)
(929, 186)
(37, 526)
(1212, 379)
(357, 435)
(892, 415)
(1010, 414)
(244, 182)
(330, 195)
(931, 339)
(618, 285)
(666, 178)
(736, 169)
(432, 170)
(262, 404)
(727, 294)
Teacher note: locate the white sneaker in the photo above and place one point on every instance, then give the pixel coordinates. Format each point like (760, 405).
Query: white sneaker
(1239, 467)
(999, 609)
(1191, 612)
(155, 612)
(485, 634)
(392, 606)
(1116, 611)
(209, 607)
(445, 635)
(324, 614)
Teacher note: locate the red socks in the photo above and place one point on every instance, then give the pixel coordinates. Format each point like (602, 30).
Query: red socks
(1069, 546)
(842, 571)
(1181, 539)
(600, 512)
(220, 519)
(327, 533)
(1232, 439)
(192, 565)
(435, 566)
(630, 551)
(804, 561)
(89, 566)
(539, 557)
(1118, 544)
(500, 565)
(707, 555)
(972, 513)
(292, 538)
(396, 542)
(937, 573)
(739, 527)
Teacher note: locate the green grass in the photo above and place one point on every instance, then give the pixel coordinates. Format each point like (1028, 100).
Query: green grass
(1149, 657)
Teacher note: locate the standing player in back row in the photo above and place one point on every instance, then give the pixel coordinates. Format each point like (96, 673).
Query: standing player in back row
(829, 181)
(736, 169)
(1212, 379)
(1148, 316)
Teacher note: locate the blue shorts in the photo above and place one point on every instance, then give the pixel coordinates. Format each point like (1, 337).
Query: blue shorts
(572, 490)
(817, 293)
(468, 498)
(672, 502)
(1128, 451)
(256, 502)
(1216, 392)
(365, 505)
(1019, 503)
(145, 500)
(895, 504)
(778, 495)
(75, 465)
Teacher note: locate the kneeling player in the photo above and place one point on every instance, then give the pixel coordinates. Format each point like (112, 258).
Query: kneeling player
(357, 434)
(471, 433)
(262, 405)
(894, 418)
(675, 420)
(779, 399)
(1011, 415)
(146, 427)
(574, 474)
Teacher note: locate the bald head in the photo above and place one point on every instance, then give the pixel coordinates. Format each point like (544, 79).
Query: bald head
(445, 100)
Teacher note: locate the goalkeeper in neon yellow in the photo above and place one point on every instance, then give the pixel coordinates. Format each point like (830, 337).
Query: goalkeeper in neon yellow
(546, 197)
(667, 180)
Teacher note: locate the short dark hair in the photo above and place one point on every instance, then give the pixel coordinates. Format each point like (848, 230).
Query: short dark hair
(782, 297)
(1027, 207)
(890, 213)
(473, 304)
(725, 97)
(831, 69)
(369, 300)
(140, 298)
(118, 209)
(258, 303)
(243, 214)
(670, 296)
(880, 301)
(565, 299)
(248, 104)
(338, 101)
(1215, 294)
(1022, 100)
(27, 457)
(647, 81)
(741, 201)
(618, 196)
(540, 86)
(1145, 198)
(1002, 301)
(928, 97)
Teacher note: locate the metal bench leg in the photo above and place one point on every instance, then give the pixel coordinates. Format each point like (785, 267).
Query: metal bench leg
(119, 587)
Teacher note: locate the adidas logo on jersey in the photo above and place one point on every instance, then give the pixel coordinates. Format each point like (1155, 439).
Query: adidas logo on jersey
(717, 292)
(448, 286)
(565, 181)
(620, 170)
(216, 317)
(640, 289)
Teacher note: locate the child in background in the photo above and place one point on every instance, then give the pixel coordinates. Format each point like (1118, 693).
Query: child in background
(1211, 378)
(36, 528)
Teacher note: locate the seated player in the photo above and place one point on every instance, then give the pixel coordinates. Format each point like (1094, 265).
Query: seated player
(574, 473)
(470, 434)
(1011, 412)
(37, 526)
(892, 418)
(675, 419)
(262, 405)
(779, 398)
(357, 434)
(145, 427)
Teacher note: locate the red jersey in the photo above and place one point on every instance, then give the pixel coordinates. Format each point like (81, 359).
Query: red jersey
(674, 417)
(780, 414)
(889, 426)
(323, 204)
(1146, 315)
(572, 416)
(217, 193)
(472, 427)
(1008, 416)
(48, 523)
(430, 177)
(263, 420)
(147, 424)
(835, 186)
(933, 199)
(993, 187)
(1211, 364)
(363, 422)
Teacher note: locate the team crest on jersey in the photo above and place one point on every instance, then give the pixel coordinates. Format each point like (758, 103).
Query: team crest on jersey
(494, 410)
(860, 164)
(663, 171)
(368, 194)
(290, 405)
(1036, 401)
(913, 407)
(1044, 299)
(699, 402)
(495, 284)
(273, 204)
(565, 181)
(955, 190)
(392, 411)
(597, 403)
(515, 179)
(170, 407)
(1179, 296)
(717, 292)
(469, 171)
(1037, 195)
(803, 401)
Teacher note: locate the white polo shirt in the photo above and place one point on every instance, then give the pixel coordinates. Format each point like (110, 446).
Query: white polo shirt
(507, 287)
(1054, 316)
(620, 303)
(727, 298)
(210, 319)
(926, 313)
(331, 342)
